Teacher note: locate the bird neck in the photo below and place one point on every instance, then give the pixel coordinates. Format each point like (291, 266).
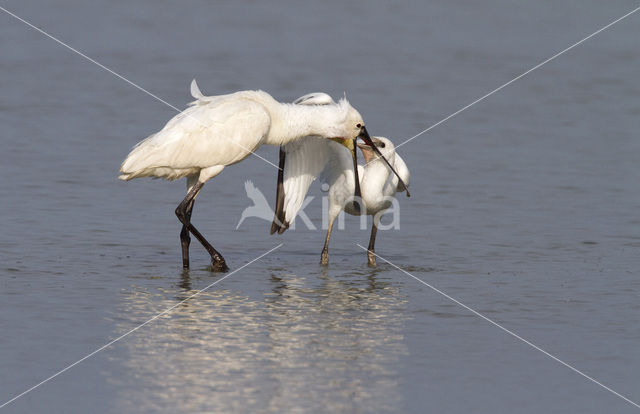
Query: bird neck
(376, 176)
(293, 122)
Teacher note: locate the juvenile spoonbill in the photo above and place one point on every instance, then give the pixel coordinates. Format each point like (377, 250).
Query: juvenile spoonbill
(217, 131)
(301, 162)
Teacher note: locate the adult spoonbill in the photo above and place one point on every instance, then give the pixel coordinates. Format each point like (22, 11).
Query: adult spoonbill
(384, 174)
(217, 131)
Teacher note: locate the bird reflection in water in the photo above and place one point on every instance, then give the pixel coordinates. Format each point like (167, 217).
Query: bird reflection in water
(321, 341)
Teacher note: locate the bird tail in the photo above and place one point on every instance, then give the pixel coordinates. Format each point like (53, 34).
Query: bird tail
(147, 159)
(137, 162)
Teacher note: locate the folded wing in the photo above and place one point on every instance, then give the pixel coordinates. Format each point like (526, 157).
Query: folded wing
(216, 130)
(401, 167)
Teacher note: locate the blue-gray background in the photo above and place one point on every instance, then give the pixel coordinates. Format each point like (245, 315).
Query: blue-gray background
(525, 207)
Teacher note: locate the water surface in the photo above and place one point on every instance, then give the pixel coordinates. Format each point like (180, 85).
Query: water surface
(524, 207)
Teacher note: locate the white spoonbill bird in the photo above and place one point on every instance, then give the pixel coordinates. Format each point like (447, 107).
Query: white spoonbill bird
(302, 161)
(217, 131)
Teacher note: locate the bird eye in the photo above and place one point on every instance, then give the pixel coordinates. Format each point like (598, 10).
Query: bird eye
(359, 126)
(382, 144)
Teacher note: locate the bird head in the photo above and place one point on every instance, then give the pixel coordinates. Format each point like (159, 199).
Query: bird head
(384, 145)
(377, 148)
(352, 122)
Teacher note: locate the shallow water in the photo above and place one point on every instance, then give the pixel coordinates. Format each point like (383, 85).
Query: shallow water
(524, 208)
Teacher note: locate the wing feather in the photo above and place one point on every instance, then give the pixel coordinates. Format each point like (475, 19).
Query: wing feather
(301, 162)
(315, 98)
(305, 160)
(401, 167)
(221, 131)
(278, 219)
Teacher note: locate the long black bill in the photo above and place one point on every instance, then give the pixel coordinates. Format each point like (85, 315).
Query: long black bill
(364, 135)
(357, 197)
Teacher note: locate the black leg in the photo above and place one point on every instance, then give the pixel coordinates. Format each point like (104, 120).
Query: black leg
(185, 240)
(183, 211)
(371, 257)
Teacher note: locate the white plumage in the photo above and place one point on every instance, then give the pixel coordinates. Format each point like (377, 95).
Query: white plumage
(223, 130)
(218, 131)
(306, 160)
(205, 134)
(312, 157)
